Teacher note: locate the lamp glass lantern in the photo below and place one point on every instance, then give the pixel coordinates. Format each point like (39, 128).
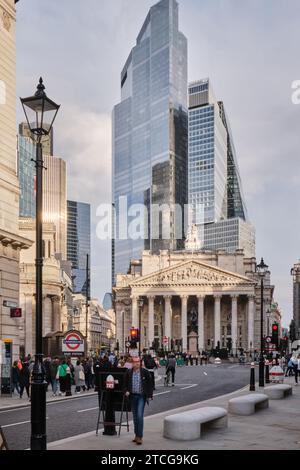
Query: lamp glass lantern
(37, 109)
(262, 268)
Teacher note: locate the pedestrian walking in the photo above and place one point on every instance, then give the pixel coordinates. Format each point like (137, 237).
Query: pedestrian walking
(53, 374)
(24, 379)
(15, 376)
(290, 368)
(79, 377)
(295, 367)
(170, 367)
(62, 376)
(139, 388)
(47, 366)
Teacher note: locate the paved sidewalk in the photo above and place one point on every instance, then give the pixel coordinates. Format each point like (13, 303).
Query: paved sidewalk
(15, 401)
(274, 428)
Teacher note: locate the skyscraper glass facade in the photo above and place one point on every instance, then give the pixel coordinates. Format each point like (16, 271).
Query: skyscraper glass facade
(26, 175)
(150, 134)
(207, 156)
(217, 205)
(79, 242)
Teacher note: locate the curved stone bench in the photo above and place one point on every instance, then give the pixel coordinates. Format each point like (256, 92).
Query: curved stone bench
(276, 392)
(187, 426)
(248, 404)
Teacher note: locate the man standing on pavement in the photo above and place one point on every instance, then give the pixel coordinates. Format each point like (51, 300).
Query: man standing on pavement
(170, 367)
(139, 387)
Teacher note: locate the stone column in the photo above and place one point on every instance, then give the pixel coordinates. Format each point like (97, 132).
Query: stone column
(28, 324)
(217, 320)
(234, 323)
(168, 318)
(251, 311)
(150, 320)
(184, 300)
(200, 323)
(56, 313)
(134, 311)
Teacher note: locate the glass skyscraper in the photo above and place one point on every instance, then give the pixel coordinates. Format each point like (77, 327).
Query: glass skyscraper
(26, 175)
(150, 136)
(217, 205)
(79, 242)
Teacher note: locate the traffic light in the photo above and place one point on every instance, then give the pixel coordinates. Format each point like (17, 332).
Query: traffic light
(134, 336)
(275, 331)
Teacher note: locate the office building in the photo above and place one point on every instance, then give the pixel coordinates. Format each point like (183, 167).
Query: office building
(150, 137)
(217, 206)
(79, 242)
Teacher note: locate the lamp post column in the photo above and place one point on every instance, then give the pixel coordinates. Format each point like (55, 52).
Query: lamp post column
(261, 358)
(38, 386)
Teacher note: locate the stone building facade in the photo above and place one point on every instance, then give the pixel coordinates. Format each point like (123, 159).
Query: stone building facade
(11, 241)
(195, 300)
(56, 287)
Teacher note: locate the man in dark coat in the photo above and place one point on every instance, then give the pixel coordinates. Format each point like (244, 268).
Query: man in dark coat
(139, 388)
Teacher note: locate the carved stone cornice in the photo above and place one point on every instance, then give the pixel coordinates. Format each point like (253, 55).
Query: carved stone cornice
(193, 274)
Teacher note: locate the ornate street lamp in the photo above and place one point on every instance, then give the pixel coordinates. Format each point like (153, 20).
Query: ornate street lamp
(38, 109)
(261, 270)
(141, 304)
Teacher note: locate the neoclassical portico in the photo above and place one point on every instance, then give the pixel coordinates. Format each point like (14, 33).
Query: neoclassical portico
(193, 299)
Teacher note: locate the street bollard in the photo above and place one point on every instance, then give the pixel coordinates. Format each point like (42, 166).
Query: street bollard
(267, 373)
(252, 377)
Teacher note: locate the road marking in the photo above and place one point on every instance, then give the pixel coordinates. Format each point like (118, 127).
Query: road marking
(190, 386)
(161, 393)
(16, 409)
(205, 373)
(88, 409)
(17, 424)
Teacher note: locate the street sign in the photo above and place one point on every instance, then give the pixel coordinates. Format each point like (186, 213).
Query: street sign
(268, 339)
(15, 313)
(9, 303)
(127, 344)
(73, 343)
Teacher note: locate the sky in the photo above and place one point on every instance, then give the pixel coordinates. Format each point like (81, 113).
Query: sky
(249, 49)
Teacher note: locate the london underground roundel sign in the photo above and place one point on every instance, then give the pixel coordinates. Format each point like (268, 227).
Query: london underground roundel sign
(73, 342)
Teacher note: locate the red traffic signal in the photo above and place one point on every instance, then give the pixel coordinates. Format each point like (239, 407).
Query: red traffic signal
(134, 333)
(275, 327)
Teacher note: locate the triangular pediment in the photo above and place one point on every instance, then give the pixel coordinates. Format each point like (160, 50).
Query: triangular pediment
(191, 273)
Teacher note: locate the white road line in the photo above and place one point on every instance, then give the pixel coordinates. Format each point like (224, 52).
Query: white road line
(161, 393)
(88, 409)
(16, 409)
(190, 386)
(17, 424)
(205, 373)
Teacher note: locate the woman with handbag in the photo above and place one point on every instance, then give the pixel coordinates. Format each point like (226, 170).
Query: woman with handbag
(79, 377)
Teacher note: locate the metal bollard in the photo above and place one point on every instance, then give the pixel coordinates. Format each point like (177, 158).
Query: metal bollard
(267, 373)
(252, 377)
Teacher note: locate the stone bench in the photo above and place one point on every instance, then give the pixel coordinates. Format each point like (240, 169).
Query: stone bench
(248, 404)
(187, 426)
(276, 392)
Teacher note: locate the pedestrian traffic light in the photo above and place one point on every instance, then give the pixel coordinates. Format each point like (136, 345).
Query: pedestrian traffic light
(275, 331)
(134, 336)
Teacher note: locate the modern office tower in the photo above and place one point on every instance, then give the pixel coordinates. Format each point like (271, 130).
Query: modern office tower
(79, 242)
(47, 140)
(55, 200)
(217, 206)
(26, 174)
(150, 138)
(11, 242)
